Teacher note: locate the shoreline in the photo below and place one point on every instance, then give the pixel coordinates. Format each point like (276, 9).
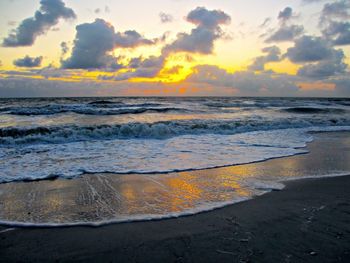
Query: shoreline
(307, 221)
(307, 130)
(20, 225)
(268, 186)
(279, 226)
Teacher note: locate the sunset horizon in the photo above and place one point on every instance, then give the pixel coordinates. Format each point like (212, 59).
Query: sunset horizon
(61, 48)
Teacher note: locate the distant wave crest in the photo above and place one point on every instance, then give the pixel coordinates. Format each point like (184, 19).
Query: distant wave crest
(158, 130)
(314, 110)
(93, 108)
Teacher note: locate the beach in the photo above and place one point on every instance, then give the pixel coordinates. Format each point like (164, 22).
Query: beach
(175, 132)
(307, 221)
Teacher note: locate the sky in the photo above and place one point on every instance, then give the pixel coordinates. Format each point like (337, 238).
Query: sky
(174, 48)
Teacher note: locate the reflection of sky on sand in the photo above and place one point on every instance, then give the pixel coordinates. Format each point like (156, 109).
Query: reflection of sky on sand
(94, 198)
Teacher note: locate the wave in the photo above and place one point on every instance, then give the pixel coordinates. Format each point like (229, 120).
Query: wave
(103, 102)
(157, 130)
(109, 109)
(71, 160)
(314, 110)
(262, 103)
(276, 103)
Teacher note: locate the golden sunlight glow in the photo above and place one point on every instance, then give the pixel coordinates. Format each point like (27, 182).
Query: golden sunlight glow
(283, 67)
(307, 86)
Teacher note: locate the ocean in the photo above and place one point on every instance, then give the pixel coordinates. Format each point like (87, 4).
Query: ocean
(142, 141)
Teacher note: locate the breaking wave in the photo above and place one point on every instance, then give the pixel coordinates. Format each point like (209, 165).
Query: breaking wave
(157, 130)
(90, 109)
(314, 110)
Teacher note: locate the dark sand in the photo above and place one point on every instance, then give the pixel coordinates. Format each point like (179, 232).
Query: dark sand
(308, 221)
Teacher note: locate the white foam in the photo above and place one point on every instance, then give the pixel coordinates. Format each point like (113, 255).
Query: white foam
(69, 160)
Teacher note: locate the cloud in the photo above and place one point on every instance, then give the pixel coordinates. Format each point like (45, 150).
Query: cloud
(273, 53)
(245, 83)
(338, 32)
(320, 58)
(131, 39)
(201, 39)
(64, 48)
(209, 19)
(332, 21)
(139, 68)
(166, 18)
(94, 42)
(99, 10)
(266, 22)
(285, 14)
(324, 69)
(312, 1)
(91, 44)
(28, 62)
(310, 49)
(285, 32)
(335, 10)
(205, 80)
(45, 18)
(342, 85)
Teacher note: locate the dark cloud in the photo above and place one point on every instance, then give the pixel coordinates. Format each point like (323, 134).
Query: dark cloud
(131, 39)
(338, 33)
(332, 22)
(28, 62)
(320, 58)
(285, 32)
(335, 10)
(206, 18)
(311, 49)
(166, 18)
(94, 42)
(46, 17)
(273, 53)
(326, 68)
(285, 14)
(140, 68)
(201, 39)
(64, 48)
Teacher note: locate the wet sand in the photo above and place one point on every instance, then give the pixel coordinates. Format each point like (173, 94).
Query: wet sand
(308, 221)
